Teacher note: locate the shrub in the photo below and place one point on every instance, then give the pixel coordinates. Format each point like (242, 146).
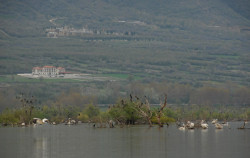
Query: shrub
(83, 117)
(91, 111)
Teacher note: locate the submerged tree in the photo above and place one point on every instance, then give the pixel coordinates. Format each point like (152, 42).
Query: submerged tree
(159, 112)
(124, 112)
(144, 110)
(135, 110)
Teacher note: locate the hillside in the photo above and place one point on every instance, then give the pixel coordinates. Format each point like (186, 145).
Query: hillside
(193, 41)
(29, 17)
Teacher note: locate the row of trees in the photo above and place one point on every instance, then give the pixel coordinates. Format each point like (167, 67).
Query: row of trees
(134, 110)
(211, 95)
(81, 94)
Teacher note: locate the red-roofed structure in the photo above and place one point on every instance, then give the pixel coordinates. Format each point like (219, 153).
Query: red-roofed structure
(49, 71)
(49, 67)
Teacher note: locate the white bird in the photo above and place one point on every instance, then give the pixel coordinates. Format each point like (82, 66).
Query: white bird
(218, 126)
(70, 122)
(45, 120)
(225, 123)
(182, 128)
(204, 125)
(37, 121)
(214, 121)
(190, 125)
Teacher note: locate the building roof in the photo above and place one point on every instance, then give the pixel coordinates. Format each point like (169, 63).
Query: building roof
(39, 68)
(49, 67)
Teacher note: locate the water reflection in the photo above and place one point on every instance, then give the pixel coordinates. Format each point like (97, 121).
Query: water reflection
(41, 147)
(136, 141)
(217, 131)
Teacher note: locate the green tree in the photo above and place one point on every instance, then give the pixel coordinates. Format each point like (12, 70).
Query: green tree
(92, 111)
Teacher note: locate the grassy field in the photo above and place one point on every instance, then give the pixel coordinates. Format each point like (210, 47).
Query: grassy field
(122, 76)
(20, 79)
(90, 78)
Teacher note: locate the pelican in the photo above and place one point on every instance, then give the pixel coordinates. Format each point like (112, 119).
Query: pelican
(37, 121)
(45, 120)
(190, 125)
(182, 128)
(214, 121)
(111, 124)
(204, 125)
(73, 122)
(224, 123)
(181, 125)
(70, 122)
(218, 126)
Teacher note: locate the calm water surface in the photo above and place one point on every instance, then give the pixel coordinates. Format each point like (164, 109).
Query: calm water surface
(83, 141)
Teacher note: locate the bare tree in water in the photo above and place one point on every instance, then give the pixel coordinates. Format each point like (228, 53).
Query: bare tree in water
(144, 110)
(159, 112)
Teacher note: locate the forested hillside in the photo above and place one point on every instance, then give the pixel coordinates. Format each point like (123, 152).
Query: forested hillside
(29, 17)
(197, 43)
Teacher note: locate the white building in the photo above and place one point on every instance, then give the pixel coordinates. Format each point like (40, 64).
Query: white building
(48, 71)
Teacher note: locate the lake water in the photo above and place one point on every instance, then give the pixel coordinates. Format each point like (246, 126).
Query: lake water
(84, 141)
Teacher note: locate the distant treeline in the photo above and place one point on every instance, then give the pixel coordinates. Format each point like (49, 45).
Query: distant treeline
(81, 94)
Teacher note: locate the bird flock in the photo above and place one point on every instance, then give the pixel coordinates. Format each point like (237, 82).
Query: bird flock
(181, 125)
(202, 124)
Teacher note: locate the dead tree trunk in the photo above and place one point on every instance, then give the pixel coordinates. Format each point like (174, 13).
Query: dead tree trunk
(149, 122)
(144, 110)
(159, 114)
